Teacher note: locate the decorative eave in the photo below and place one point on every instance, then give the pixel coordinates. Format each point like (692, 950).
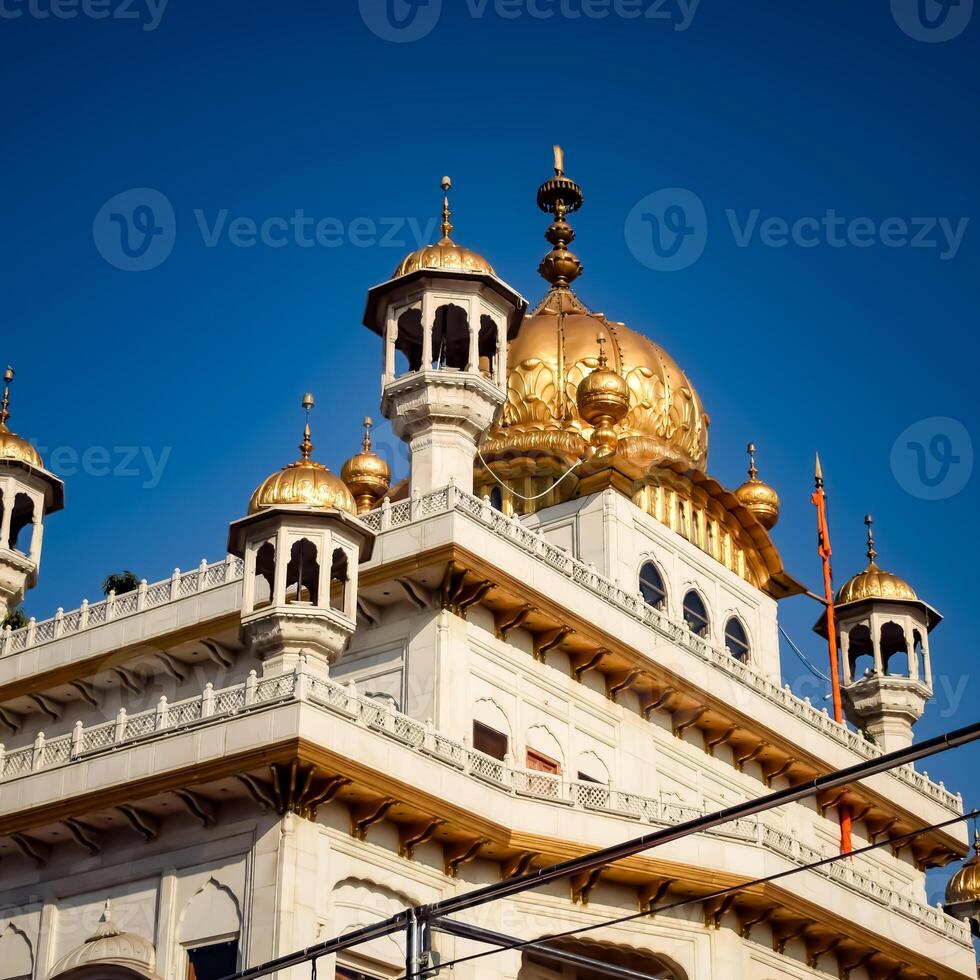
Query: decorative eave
(300, 777)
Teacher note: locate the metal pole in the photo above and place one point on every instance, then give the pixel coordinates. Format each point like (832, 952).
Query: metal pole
(617, 852)
(413, 945)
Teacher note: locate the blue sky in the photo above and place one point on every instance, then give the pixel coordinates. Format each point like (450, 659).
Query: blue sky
(826, 298)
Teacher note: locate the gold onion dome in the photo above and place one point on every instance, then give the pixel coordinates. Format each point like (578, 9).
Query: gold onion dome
(603, 399)
(305, 483)
(366, 475)
(445, 255)
(758, 497)
(555, 350)
(874, 582)
(12, 447)
(964, 886)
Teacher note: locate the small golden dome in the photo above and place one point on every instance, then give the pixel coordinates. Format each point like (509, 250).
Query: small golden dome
(758, 497)
(603, 399)
(874, 582)
(964, 886)
(367, 475)
(445, 255)
(305, 483)
(12, 447)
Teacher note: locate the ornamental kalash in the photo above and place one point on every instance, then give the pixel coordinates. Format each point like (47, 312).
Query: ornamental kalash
(559, 632)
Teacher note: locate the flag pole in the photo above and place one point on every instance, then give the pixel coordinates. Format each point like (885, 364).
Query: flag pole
(824, 549)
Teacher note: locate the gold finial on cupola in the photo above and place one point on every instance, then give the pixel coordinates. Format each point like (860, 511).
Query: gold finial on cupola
(758, 497)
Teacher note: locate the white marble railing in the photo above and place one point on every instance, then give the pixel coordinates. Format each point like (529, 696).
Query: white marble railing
(88, 616)
(444, 501)
(451, 498)
(213, 706)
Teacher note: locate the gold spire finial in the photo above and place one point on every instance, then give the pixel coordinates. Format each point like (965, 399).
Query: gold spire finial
(306, 446)
(368, 422)
(869, 523)
(559, 161)
(560, 196)
(753, 469)
(601, 341)
(447, 225)
(8, 377)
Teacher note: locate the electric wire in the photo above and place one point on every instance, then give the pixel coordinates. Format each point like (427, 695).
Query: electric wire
(521, 496)
(721, 893)
(813, 670)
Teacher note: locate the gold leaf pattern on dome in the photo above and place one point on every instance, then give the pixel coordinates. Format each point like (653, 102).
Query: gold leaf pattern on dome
(874, 582)
(666, 419)
(964, 886)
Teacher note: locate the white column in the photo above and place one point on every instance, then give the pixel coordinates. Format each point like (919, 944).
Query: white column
(473, 320)
(502, 354)
(391, 338)
(37, 535)
(9, 493)
(845, 644)
(428, 318)
(282, 560)
(876, 646)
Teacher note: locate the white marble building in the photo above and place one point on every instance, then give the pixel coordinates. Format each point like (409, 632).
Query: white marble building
(386, 696)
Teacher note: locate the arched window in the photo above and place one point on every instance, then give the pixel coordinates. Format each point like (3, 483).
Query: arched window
(894, 650)
(681, 517)
(487, 346)
(450, 338)
(497, 499)
(265, 575)
(339, 578)
(736, 639)
(303, 573)
(860, 651)
(652, 586)
(21, 516)
(696, 613)
(209, 932)
(409, 342)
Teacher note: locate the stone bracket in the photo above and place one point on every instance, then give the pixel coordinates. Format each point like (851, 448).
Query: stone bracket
(411, 836)
(456, 855)
(366, 815)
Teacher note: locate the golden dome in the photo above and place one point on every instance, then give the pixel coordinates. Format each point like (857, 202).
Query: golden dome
(874, 582)
(305, 483)
(552, 354)
(758, 497)
(964, 886)
(445, 255)
(12, 447)
(366, 475)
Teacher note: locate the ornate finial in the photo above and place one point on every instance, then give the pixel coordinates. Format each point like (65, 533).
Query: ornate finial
(447, 225)
(872, 554)
(559, 161)
(601, 341)
(306, 446)
(8, 376)
(368, 422)
(105, 928)
(560, 196)
(753, 469)
(818, 473)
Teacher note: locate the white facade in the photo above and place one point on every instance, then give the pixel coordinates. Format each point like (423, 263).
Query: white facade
(185, 811)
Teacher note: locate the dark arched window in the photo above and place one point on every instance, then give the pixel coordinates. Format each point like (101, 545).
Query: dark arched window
(497, 499)
(339, 577)
(21, 517)
(736, 639)
(696, 613)
(303, 573)
(652, 586)
(265, 574)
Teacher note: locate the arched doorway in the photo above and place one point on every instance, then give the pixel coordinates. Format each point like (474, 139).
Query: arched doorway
(540, 966)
